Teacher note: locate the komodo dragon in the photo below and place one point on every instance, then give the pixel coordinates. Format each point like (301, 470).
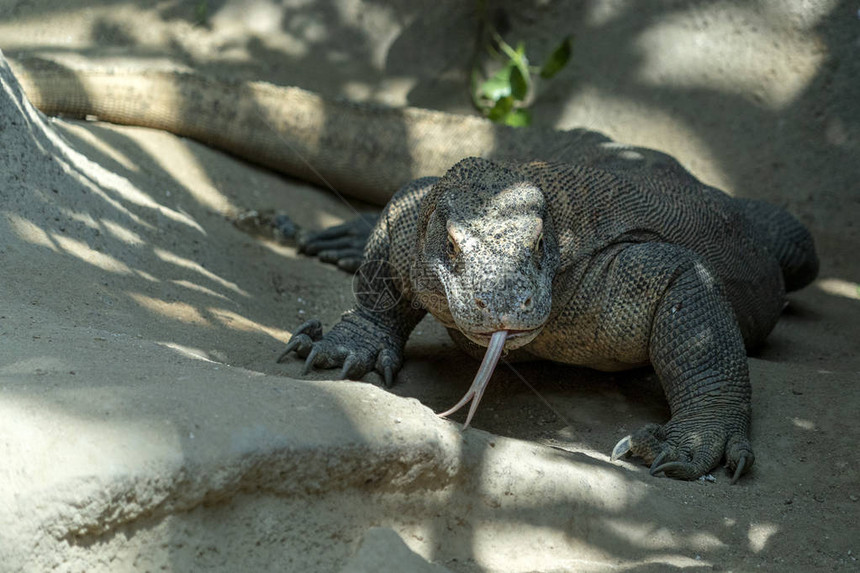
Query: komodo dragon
(620, 259)
(597, 254)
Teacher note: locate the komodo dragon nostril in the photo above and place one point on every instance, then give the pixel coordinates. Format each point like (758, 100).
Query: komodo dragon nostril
(480, 303)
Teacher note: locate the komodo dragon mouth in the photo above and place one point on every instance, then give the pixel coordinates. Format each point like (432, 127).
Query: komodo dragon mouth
(515, 339)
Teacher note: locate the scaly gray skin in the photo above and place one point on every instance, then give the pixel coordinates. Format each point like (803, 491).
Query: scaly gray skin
(621, 260)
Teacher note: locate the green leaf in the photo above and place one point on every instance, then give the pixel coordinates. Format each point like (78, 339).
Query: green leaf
(521, 53)
(521, 63)
(519, 84)
(518, 118)
(557, 59)
(502, 108)
(498, 86)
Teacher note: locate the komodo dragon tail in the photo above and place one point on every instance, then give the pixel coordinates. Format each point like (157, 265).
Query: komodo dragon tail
(366, 151)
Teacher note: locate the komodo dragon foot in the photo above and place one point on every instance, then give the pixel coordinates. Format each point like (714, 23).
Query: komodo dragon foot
(688, 448)
(354, 345)
(341, 245)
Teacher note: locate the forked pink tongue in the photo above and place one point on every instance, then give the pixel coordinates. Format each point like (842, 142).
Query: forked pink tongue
(476, 390)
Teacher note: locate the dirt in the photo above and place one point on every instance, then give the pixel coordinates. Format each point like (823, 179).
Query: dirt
(759, 98)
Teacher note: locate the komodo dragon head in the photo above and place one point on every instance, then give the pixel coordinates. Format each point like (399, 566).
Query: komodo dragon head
(486, 257)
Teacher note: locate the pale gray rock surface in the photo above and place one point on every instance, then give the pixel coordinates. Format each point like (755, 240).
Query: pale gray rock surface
(383, 551)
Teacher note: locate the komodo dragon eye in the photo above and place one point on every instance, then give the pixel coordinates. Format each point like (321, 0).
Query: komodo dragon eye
(452, 249)
(538, 251)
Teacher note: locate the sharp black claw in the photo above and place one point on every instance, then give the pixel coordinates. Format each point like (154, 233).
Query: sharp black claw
(669, 466)
(739, 470)
(312, 328)
(300, 342)
(388, 375)
(386, 364)
(348, 364)
(291, 345)
(622, 448)
(309, 363)
(658, 463)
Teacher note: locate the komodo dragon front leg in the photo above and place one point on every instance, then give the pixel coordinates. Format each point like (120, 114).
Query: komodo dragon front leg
(664, 299)
(372, 335)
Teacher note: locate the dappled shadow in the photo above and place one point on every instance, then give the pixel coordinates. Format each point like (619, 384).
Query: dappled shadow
(220, 311)
(772, 133)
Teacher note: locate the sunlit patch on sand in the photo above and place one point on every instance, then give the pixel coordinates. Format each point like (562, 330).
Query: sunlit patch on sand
(198, 288)
(188, 351)
(175, 259)
(29, 232)
(759, 534)
(803, 424)
(839, 287)
(122, 233)
(174, 310)
(238, 322)
(89, 255)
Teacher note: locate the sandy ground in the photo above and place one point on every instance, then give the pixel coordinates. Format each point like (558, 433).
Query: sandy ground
(139, 328)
